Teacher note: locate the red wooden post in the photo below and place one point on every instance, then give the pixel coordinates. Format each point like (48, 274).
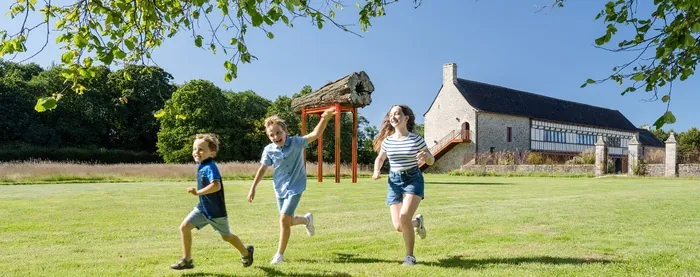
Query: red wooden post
(320, 157)
(337, 142)
(303, 132)
(354, 145)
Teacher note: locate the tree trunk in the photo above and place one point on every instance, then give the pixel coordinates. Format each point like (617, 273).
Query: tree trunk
(352, 90)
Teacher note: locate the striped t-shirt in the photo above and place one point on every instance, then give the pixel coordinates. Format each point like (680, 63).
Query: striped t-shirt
(402, 151)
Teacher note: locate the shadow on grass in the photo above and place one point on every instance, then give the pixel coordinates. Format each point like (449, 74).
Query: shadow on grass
(460, 262)
(344, 258)
(470, 183)
(269, 271)
(464, 263)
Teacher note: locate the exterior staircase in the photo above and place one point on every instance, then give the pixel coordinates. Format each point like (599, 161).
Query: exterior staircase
(444, 145)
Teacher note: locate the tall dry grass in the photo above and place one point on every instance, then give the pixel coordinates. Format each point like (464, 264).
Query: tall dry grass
(38, 171)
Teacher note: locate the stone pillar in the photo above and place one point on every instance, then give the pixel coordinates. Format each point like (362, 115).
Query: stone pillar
(633, 155)
(671, 167)
(601, 157)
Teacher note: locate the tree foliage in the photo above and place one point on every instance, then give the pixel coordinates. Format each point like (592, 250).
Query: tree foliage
(665, 42)
(128, 31)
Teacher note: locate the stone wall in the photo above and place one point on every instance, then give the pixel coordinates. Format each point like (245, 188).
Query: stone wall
(448, 111)
(461, 154)
(654, 170)
(493, 132)
(689, 170)
(578, 169)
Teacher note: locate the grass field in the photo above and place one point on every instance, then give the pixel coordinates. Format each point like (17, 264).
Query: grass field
(490, 226)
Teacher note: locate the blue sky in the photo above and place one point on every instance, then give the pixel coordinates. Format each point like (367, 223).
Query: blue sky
(498, 42)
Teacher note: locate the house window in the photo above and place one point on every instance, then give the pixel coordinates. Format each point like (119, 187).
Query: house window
(554, 136)
(586, 139)
(510, 137)
(614, 142)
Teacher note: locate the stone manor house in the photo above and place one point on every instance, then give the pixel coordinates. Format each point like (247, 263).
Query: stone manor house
(469, 117)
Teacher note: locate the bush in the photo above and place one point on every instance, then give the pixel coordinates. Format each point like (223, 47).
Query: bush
(25, 152)
(585, 157)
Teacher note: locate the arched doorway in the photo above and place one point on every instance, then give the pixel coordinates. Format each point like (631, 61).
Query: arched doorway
(465, 130)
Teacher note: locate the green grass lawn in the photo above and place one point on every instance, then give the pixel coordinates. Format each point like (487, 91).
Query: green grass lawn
(476, 226)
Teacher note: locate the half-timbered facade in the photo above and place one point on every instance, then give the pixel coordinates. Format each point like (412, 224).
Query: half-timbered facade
(489, 118)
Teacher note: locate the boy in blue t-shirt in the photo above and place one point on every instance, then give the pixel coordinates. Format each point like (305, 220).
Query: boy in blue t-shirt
(211, 209)
(286, 155)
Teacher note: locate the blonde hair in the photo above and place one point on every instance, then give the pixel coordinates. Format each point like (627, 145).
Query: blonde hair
(211, 139)
(387, 130)
(275, 119)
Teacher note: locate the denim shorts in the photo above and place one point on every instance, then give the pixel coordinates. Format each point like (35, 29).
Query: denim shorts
(199, 220)
(289, 204)
(409, 181)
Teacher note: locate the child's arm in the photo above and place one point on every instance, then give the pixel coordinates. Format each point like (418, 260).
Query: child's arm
(378, 162)
(213, 187)
(258, 177)
(321, 126)
(426, 157)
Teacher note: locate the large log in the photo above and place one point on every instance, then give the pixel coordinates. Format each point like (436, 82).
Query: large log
(353, 90)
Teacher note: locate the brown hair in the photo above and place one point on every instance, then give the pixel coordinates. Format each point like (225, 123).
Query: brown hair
(274, 119)
(387, 130)
(211, 139)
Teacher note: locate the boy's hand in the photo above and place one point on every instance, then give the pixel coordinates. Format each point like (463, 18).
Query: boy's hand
(193, 191)
(328, 113)
(251, 195)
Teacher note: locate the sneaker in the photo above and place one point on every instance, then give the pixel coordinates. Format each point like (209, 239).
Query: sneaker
(248, 260)
(310, 230)
(420, 230)
(183, 264)
(409, 260)
(277, 259)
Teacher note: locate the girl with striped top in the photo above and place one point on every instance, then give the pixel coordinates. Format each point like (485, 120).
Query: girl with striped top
(405, 151)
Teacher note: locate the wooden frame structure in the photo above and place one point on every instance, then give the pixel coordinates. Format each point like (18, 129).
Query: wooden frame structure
(340, 109)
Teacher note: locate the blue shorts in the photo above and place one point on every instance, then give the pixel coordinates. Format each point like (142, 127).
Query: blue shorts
(409, 181)
(289, 204)
(199, 220)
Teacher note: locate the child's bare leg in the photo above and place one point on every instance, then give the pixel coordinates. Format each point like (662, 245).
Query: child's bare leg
(395, 210)
(285, 232)
(237, 243)
(186, 234)
(411, 202)
(297, 220)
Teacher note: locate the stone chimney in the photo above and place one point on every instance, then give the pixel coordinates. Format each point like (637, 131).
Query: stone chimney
(449, 73)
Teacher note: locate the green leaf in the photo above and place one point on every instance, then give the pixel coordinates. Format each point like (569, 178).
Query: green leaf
(118, 53)
(79, 41)
(198, 41)
(228, 77)
(638, 77)
(127, 76)
(44, 104)
(179, 116)
(129, 44)
(696, 28)
(256, 18)
(67, 57)
(668, 117)
(666, 98)
(159, 114)
(270, 35)
(60, 23)
(228, 65)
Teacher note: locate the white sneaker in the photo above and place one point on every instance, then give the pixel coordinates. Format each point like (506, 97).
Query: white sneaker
(277, 259)
(310, 230)
(420, 230)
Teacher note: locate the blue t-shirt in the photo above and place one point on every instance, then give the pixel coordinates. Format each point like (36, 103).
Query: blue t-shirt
(213, 204)
(289, 177)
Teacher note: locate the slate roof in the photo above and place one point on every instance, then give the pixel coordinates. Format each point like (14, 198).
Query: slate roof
(502, 100)
(649, 139)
